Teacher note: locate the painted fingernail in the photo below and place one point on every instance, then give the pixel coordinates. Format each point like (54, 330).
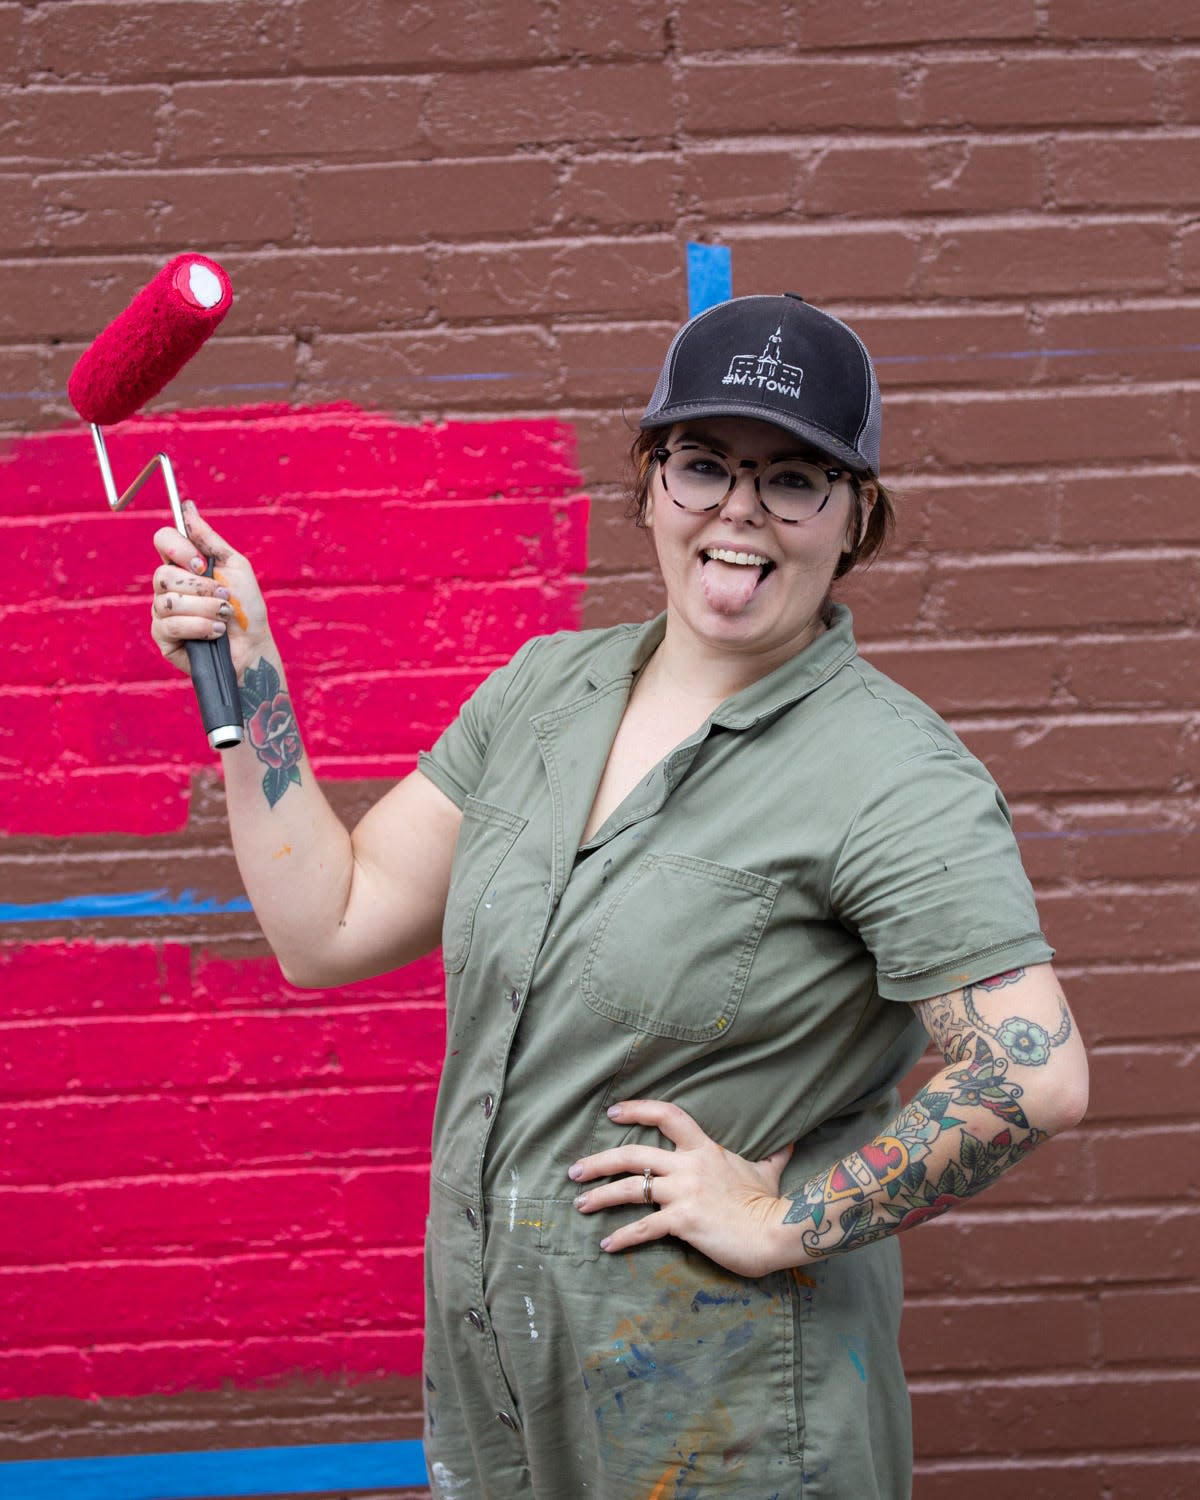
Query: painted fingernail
(575, 1172)
(218, 627)
(581, 1201)
(225, 611)
(198, 565)
(614, 1111)
(606, 1242)
(224, 594)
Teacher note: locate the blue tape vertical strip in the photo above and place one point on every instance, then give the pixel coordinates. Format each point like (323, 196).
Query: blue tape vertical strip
(710, 276)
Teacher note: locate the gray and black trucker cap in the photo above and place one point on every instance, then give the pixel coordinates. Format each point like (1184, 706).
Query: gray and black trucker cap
(781, 360)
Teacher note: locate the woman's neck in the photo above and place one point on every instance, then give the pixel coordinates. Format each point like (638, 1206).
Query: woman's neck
(685, 668)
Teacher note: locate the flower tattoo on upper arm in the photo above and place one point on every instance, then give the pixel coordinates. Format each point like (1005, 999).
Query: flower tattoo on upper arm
(1021, 1040)
(271, 728)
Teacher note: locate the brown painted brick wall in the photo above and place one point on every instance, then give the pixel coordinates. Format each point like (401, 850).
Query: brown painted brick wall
(1003, 194)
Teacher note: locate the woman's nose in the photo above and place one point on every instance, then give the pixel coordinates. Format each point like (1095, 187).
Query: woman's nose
(741, 503)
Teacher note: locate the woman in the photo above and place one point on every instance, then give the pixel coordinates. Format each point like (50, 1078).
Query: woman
(705, 888)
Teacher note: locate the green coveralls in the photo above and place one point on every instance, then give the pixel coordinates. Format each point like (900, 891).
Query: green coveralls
(735, 939)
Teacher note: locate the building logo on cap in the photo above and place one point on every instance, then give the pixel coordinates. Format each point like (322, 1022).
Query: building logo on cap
(766, 371)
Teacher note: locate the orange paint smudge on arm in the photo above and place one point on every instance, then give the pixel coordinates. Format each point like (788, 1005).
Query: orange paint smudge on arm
(239, 614)
(286, 849)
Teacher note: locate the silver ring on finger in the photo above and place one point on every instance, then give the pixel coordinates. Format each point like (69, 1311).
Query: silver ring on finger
(647, 1186)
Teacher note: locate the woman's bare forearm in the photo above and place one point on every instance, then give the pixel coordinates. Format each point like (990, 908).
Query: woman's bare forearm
(335, 906)
(294, 853)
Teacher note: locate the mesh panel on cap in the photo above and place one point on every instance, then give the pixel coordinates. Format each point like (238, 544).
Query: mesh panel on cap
(871, 429)
(663, 384)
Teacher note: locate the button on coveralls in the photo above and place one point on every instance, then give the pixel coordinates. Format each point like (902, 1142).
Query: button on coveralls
(739, 938)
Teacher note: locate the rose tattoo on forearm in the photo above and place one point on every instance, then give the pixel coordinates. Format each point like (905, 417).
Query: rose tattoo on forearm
(271, 729)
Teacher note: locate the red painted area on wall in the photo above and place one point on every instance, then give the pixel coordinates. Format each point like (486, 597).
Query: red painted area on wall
(400, 563)
(207, 1175)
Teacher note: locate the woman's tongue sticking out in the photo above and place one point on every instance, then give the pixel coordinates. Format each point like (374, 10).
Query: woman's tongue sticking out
(728, 586)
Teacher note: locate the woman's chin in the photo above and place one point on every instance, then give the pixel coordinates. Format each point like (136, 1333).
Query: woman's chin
(767, 623)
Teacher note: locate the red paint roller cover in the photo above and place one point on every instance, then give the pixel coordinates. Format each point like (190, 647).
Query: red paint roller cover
(150, 342)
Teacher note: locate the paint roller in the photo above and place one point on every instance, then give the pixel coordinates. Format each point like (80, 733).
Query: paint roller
(126, 366)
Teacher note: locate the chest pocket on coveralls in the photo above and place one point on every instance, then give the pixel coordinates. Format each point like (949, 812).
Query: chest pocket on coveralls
(673, 950)
(484, 839)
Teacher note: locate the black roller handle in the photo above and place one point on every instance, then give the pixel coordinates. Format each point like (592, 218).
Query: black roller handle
(216, 687)
(211, 661)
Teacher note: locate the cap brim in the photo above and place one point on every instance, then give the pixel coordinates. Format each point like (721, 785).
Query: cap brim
(816, 436)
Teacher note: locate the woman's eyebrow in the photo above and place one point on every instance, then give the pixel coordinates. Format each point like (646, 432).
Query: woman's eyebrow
(703, 442)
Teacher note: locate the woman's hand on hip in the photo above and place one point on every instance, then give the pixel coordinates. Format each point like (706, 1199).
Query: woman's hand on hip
(729, 1208)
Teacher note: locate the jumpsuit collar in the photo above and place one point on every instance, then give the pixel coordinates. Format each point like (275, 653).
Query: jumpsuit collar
(630, 649)
(574, 740)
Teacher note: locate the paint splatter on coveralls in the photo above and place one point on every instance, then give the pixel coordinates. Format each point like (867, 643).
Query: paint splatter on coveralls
(735, 939)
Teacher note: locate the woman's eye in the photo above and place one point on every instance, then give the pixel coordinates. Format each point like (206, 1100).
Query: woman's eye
(792, 479)
(707, 468)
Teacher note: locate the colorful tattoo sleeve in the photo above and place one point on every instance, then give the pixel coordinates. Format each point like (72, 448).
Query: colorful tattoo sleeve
(954, 1138)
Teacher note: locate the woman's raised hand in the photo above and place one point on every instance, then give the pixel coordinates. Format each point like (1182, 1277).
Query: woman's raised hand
(188, 606)
(727, 1207)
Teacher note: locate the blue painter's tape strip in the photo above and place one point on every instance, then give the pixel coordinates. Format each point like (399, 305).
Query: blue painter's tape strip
(322, 1468)
(710, 276)
(123, 904)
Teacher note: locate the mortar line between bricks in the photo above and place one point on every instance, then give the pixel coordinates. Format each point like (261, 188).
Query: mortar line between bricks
(229, 1174)
(1003, 1297)
(981, 1213)
(198, 1097)
(153, 1258)
(390, 1158)
(235, 1095)
(214, 1342)
(1033, 1380)
(244, 1010)
(1066, 1459)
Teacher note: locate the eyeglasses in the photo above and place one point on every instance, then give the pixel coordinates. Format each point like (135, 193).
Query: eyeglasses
(791, 490)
